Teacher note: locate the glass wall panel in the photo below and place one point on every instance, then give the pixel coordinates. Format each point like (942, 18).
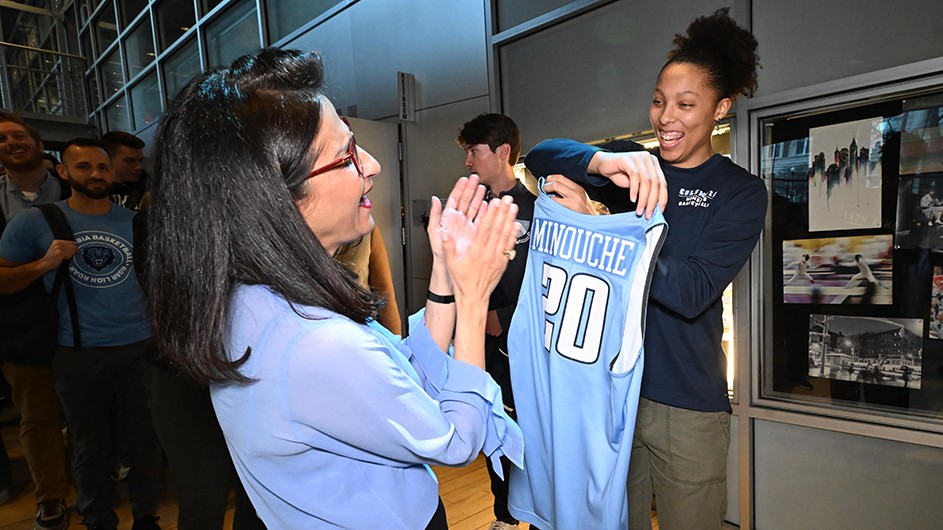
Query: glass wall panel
(131, 9)
(117, 115)
(174, 18)
(106, 29)
(84, 11)
(180, 68)
(112, 76)
(87, 50)
(233, 34)
(513, 12)
(94, 93)
(285, 16)
(855, 277)
(139, 47)
(146, 101)
(208, 5)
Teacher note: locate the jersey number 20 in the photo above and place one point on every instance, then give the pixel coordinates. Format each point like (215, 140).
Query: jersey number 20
(578, 306)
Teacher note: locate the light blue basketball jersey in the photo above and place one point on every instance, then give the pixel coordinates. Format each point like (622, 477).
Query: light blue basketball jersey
(576, 355)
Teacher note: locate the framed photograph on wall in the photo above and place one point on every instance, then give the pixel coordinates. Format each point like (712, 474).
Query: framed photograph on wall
(919, 213)
(845, 175)
(838, 270)
(851, 291)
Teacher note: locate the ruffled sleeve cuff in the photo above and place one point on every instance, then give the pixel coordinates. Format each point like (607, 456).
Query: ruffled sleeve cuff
(502, 435)
(446, 379)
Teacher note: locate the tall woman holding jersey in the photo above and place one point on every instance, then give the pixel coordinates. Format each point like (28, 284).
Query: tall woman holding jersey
(715, 213)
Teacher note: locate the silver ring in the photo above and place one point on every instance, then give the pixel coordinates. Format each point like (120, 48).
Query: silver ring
(510, 254)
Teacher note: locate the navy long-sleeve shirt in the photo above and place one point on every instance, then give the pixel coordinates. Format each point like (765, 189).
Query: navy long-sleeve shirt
(715, 214)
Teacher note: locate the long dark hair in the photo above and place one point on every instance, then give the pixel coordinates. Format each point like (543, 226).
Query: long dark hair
(233, 152)
(724, 50)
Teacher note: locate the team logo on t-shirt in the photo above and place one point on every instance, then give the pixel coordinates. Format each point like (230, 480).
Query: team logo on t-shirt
(103, 260)
(697, 198)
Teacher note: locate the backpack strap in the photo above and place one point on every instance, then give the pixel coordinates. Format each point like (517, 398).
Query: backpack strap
(61, 230)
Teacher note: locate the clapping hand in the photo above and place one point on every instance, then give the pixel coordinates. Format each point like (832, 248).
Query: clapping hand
(476, 242)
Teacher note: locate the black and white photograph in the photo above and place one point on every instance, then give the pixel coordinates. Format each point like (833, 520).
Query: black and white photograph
(919, 213)
(845, 175)
(921, 138)
(838, 270)
(876, 350)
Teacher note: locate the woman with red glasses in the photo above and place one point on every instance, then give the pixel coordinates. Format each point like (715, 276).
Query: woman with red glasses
(331, 420)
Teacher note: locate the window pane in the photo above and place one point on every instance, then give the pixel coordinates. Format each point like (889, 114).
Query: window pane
(84, 10)
(130, 9)
(174, 18)
(106, 30)
(513, 12)
(112, 78)
(87, 46)
(208, 5)
(94, 95)
(146, 101)
(139, 47)
(234, 34)
(117, 114)
(181, 67)
(285, 16)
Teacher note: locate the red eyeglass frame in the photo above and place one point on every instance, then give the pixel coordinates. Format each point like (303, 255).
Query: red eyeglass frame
(351, 156)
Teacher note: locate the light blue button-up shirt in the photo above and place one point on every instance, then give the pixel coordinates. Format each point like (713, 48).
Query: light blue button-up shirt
(12, 200)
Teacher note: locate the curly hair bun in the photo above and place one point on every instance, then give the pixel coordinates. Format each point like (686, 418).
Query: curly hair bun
(722, 48)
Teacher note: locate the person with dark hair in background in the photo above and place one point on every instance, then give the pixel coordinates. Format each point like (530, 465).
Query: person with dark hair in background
(331, 421)
(492, 145)
(100, 364)
(716, 212)
(127, 159)
(28, 183)
(50, 162)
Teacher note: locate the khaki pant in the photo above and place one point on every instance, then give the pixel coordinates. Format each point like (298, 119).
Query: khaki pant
(34, 395)
(679, 455)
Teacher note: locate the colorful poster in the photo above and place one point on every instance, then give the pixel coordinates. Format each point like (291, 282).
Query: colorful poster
(845, 175)
(838, 270)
